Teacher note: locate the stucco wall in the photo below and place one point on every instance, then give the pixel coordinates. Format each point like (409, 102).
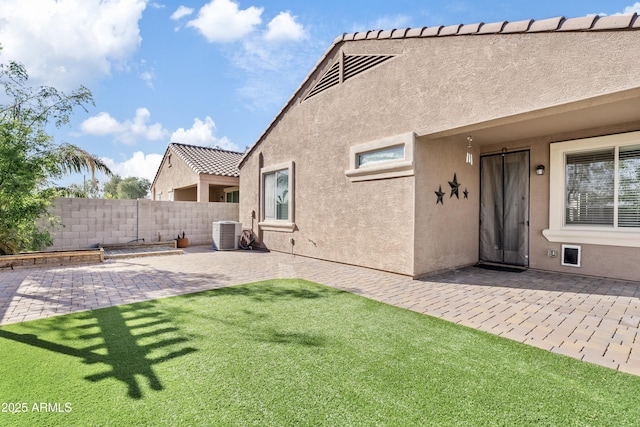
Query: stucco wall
(88, 222)
(338, 220)
(432, 86)
(178, 175)
(446, 234)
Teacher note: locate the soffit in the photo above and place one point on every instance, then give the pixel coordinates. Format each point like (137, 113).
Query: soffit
(602, 111)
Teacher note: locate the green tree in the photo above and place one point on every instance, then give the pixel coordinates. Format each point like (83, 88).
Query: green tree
(110, 187)
(30, 159)
(127, 188)
(133, 188)
(88, 189)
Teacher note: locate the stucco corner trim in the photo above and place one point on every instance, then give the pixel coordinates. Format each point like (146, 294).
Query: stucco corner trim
(386, 169)
(282, 226)
(595, 237)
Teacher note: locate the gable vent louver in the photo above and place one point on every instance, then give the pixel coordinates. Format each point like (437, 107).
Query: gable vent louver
(352, 66)
(330, 79)
(356, 64)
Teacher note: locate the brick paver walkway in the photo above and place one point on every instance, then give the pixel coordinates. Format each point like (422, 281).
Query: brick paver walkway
(592, 319)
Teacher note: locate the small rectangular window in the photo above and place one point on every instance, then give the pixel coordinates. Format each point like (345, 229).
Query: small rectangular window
(385, 158)
(382, 155)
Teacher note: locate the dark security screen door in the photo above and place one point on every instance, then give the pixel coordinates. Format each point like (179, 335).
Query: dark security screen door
(504, 208)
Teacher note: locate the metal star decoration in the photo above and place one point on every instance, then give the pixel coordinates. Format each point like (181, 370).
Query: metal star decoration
(466, 193)
(454, 187)
(439, 193)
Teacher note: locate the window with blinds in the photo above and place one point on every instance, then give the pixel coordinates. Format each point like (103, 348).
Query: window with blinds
(603, 187)
(590, 182)
(629, 186)
(276, 192)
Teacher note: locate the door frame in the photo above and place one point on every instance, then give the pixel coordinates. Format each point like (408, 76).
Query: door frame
(528, 204)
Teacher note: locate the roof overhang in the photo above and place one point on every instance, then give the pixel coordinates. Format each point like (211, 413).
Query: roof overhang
(597, 112)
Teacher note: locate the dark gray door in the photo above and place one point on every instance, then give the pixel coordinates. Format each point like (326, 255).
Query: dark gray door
(504, 208)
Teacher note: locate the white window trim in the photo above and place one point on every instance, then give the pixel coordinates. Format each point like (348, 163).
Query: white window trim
(278, 224)
(385, 169)
(559, 232)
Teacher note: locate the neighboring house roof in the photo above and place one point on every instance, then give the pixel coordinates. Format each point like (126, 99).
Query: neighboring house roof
(212, 161)
(558, 24)
(204, 160)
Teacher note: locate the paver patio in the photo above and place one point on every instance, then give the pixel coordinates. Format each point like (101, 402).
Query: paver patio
(592, 319)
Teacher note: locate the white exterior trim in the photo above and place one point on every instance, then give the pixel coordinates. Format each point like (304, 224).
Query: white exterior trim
(558, 231)
(279, 225)
(386, 169)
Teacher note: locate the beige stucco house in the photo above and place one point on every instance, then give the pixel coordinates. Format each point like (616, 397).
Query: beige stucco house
(197, 174)
(427, 149)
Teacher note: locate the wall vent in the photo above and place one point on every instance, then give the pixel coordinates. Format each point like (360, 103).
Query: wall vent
(226, 235)
(356, 64)
(330, 79)
(571, 255)
(352, 65)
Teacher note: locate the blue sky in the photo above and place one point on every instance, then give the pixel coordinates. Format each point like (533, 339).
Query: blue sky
(209, 72)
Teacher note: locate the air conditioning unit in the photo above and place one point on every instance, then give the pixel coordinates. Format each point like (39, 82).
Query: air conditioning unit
(226, 235)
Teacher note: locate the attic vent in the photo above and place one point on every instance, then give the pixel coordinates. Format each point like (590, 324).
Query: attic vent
(330, 79)
(356, 64)
(352, 66)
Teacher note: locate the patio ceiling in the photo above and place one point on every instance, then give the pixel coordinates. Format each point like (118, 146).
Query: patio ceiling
(606, 110)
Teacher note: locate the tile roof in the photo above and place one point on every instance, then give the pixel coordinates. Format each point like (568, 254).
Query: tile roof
(207, 160)
(559, 24)
(556, 24)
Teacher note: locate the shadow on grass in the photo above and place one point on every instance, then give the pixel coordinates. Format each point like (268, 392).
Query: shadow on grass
(129, 340)
(258, 321)
(263, 292)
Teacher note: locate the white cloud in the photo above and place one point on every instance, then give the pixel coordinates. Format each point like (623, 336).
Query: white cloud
(66, 43)
(102, 124)
(384, 23)
(283, 28)
(127, 132)
(223, 21)
(147, 77)
(203, 133)
(181, 12)
(139, 165)
(634, 8)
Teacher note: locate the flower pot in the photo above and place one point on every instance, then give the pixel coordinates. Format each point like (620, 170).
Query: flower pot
(182, 243)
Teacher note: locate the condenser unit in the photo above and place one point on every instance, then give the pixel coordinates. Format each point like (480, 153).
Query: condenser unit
(226, 235)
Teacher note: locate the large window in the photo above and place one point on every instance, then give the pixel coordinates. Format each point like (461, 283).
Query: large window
(595, 191)
(629, 186)
(277, 197)
(603, 187)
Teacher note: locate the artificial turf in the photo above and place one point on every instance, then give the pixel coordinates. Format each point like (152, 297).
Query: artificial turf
(291, 352)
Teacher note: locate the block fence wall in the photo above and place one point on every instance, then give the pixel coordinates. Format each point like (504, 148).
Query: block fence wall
(89, 222)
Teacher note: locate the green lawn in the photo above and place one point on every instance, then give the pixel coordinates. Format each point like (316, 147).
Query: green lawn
(290, 352)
